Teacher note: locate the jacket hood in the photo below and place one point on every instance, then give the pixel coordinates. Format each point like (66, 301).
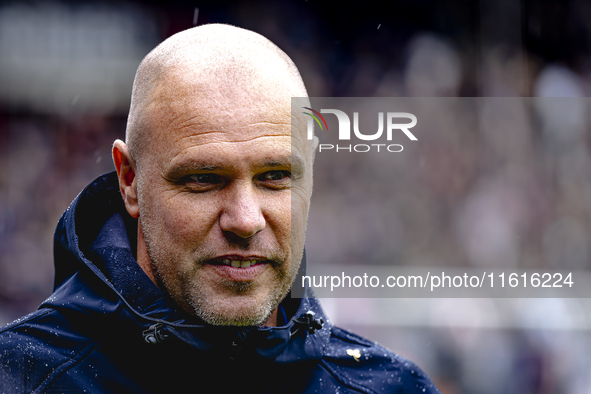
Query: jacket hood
(99, 286)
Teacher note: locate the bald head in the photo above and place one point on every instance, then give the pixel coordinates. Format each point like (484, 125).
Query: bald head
(206, 68)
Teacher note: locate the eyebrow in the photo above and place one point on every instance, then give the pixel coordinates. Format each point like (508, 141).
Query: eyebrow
(203, 167)
(191, 165)
(294, 161)
(287, 162)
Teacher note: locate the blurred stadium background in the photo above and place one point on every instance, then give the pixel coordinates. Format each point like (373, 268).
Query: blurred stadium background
(66, 71)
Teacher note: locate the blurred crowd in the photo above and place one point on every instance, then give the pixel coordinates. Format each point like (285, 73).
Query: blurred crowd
(497, 182)
(509, 187)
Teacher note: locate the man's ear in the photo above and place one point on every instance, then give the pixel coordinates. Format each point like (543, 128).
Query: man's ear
(126, 172)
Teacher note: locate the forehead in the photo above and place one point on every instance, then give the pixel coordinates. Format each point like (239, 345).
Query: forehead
(185, 116)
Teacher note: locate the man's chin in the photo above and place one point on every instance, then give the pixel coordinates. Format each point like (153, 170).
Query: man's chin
(244, 311)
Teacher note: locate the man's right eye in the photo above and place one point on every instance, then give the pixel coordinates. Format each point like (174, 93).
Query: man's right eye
(205, 178)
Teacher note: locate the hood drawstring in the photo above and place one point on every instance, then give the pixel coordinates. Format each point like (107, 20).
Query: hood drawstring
(308, 322)
(154, 334)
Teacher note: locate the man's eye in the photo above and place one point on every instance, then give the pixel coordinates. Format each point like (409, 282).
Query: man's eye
(275, 175)
(205, 178)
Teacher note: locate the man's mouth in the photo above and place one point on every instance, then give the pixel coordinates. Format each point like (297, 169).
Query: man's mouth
(239, 268)
(237, 263)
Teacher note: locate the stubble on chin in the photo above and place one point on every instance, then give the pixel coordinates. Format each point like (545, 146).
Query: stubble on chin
(241, 303)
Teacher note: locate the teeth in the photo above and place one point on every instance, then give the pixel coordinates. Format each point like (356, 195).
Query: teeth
(238, 263)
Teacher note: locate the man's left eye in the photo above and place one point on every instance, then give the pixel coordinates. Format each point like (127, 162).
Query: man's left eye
(205, 178)
(275, 175)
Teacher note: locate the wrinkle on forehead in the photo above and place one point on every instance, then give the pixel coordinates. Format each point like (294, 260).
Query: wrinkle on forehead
(193, 140)
(219, 129)
(197, 127)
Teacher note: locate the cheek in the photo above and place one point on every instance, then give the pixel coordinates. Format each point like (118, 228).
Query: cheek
(181, 217)
(278, 216)
(300, 203)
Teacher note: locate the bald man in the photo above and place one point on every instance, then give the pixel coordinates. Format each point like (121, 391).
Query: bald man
(173, 273)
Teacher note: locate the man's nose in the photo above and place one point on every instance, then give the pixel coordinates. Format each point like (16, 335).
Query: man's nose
(242, 213)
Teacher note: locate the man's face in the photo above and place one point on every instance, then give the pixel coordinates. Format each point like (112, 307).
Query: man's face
(223, 201)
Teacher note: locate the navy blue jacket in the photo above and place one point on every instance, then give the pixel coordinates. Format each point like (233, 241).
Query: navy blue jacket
(108, 329)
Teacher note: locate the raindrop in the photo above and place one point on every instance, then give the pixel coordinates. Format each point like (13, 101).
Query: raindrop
(195, 16)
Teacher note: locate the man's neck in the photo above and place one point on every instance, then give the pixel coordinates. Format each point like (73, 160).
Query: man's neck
(272, 320)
